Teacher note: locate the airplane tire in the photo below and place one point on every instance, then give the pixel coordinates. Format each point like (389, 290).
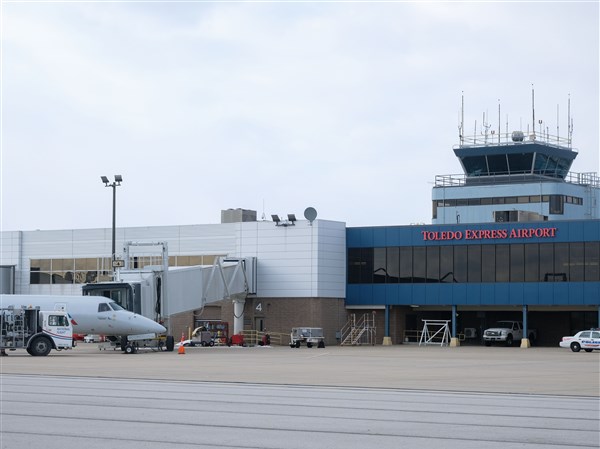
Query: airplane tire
(40, 347)
(129, 349)
(170, 343)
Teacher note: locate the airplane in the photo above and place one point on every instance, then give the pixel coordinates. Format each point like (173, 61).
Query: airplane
(90, 314)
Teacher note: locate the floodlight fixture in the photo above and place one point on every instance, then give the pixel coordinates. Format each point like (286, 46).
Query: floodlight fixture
(117, 182)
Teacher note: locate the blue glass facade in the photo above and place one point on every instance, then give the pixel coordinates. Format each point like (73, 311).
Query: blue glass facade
(547, 264)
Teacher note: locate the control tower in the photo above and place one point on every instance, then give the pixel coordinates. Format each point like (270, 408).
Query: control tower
(513, 177)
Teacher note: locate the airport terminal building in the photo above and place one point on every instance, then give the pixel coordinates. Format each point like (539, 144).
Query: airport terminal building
(516, 237)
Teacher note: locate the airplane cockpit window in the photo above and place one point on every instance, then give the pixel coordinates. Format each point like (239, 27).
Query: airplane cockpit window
(103, 307)
(115, 306)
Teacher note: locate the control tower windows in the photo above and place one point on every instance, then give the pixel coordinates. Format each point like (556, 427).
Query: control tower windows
(520, 163)
(498, 164)
(475, 165)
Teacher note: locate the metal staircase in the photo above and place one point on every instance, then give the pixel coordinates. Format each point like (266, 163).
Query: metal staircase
(359, 332)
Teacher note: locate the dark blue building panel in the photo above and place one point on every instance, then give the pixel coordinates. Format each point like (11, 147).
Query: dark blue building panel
(491, 264)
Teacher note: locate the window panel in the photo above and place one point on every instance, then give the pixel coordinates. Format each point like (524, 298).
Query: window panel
(366, 266)
(520, 163)
(406, 267)
(446, 264)
(532, 262)
(460, 263)
(556, 206)
(195, 260)
(393, 264)
(419, 264)
(63, 264)
(34, 275)
(183, 261)
(498, 164)
(546, 262)
(84, 264)
(517, 263)
(379, 265)
(576, 262)
(433, 264)
(502, 263)
(474, 263)
(592, 261)
(354, 263)
(488, 263)
(561, 262)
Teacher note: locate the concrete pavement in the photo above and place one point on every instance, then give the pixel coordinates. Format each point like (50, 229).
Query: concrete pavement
(554, 371)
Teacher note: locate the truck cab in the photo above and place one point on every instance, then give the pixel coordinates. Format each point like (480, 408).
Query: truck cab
(36, 331)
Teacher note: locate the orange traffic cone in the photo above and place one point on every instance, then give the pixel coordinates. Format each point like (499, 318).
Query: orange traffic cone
(181, 347)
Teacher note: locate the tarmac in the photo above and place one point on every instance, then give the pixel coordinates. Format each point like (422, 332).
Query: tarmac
(476, 369)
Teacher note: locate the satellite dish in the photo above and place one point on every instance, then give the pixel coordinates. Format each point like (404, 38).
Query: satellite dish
(310, 213)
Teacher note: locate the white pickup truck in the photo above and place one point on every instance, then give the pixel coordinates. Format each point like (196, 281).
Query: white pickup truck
(507, 332)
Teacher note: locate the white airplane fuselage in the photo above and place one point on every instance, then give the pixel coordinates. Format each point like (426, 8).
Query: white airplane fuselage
(89, 314)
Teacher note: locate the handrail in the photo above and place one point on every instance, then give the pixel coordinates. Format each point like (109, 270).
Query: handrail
(359, 332)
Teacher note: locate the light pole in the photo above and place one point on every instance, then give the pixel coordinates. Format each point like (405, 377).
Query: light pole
(117, 182)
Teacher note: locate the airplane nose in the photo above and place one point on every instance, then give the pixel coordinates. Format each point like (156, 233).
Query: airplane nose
(158, 328)
(149, 325)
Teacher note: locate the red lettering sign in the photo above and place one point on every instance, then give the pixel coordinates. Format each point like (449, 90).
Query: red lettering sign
(486, 234)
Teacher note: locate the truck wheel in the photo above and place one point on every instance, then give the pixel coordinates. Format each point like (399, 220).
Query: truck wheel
(298, 344)
(488, 343)
(170, 343)
(321, 344)
(575, 347)
(40, 346)
(309, 345)
(211, 343)
(509, 340)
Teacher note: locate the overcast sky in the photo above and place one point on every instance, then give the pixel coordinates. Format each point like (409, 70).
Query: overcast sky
(351, 108)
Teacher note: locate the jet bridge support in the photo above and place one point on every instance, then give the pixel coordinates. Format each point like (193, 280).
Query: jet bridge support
(228, 280)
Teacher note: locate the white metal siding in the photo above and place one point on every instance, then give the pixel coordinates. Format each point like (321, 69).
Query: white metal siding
(293, 261)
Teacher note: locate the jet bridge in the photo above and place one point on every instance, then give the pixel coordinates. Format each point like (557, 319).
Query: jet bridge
(159, 291)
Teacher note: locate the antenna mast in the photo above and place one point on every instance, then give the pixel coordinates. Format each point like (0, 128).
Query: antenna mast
(557, 124)
(462, 118)
(499, 124)
(569, 123)
(533, 110)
